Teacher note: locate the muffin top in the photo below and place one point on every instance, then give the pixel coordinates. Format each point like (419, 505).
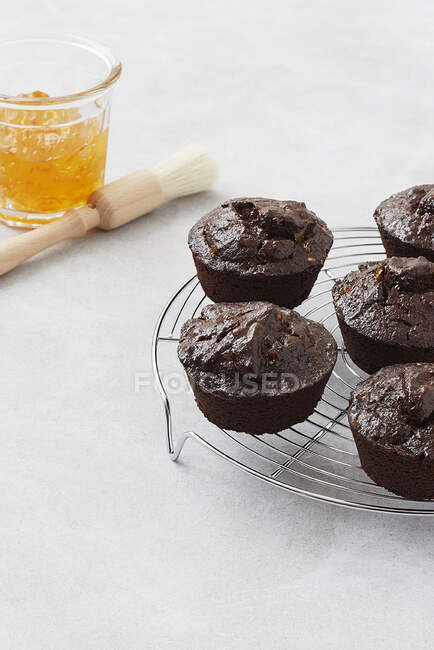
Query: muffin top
(390, 301)
(395, 408)
(251, 348)
(408, 216)
(261, 237)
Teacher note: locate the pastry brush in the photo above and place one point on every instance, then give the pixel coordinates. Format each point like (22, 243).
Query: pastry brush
(188, 171)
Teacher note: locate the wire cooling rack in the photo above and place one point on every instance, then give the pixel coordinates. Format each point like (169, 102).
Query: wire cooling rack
(317, 458)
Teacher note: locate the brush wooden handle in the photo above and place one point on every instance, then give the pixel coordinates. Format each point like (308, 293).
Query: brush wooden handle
(74, 224)
(188, 171)
(127, 198)
(109, 207)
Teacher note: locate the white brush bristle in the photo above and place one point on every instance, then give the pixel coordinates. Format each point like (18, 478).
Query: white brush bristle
(188, 171)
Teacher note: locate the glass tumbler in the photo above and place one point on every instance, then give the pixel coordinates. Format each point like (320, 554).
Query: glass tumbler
(55, 96)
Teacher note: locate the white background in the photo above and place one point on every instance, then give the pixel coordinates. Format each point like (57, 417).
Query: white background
(104, 543)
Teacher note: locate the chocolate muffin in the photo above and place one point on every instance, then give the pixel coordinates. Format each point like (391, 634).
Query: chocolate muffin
(256, 367)
(385, 312)
(391, 418)
(259, 249)
(405, 221)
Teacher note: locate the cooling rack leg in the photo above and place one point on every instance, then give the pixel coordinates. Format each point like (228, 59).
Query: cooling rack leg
(176, 449)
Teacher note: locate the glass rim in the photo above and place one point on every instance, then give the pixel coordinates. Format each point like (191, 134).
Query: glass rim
(105, 53)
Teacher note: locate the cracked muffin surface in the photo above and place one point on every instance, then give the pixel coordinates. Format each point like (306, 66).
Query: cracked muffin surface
(391, 301)
(261, 236)
(232, 340)
(251, 249)
(256, 367)
(391, 416)
(406, 222)
(395, 407)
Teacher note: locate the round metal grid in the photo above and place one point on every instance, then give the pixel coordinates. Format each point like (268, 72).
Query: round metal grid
(317, 458)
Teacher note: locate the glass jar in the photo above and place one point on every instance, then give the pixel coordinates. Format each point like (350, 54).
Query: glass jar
(55, 98)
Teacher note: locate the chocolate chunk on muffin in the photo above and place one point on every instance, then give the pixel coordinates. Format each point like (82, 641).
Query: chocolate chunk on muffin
(256, 367)
(385, 312)
(391, 416)
(406, 222)
(259, 249)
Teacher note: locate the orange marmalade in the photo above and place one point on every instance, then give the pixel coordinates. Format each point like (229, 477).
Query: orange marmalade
(50, 161)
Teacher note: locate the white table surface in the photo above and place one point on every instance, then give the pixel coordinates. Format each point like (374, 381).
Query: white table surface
(104, 543)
